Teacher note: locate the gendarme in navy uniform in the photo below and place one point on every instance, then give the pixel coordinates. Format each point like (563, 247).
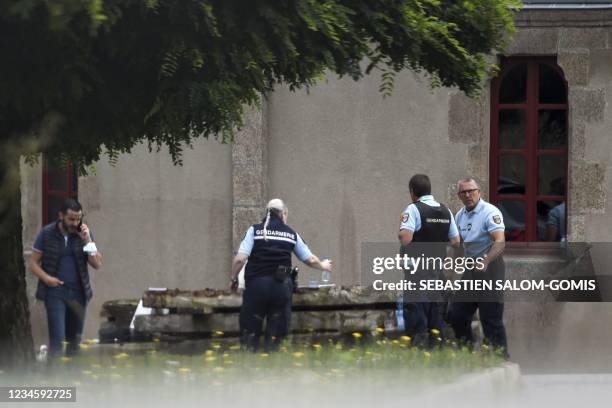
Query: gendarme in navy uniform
(481, 226)
(267, 296)
(423, 223)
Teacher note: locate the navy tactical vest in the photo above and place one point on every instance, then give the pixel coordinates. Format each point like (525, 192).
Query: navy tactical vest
(435, 223)
(429, 240)
(267, 255)
(53, 243)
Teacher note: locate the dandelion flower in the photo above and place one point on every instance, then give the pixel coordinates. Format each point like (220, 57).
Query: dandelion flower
(316, 346)
(357, 335)
(264, 355)
(298, 354)
(121, 356)
(184, 370)
(427, 354)
(210, 358)
(209, 352)
(435, 332)
(405, 339)
(380, 330)
(219, 333)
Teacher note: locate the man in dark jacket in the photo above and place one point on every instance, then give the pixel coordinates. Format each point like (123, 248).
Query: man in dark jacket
(60, 255)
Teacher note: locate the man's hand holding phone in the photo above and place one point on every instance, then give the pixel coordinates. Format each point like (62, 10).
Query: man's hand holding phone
(84, 232)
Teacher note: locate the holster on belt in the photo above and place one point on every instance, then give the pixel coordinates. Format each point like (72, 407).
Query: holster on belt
(281, 273)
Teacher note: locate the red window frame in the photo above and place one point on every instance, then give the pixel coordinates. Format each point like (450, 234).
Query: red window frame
(531, 152)
(71, 190)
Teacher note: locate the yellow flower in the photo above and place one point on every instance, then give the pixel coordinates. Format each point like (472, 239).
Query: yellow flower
(296, 364)
(184, 370)
(316, 346)
(121, 356)
(298, 354)
(380, 330)
(218, 333)
(338, 346)
(209, 352)
(264, 355)
(216, 346)
(235, 347)
(405, 339)
(357, 335)
(395, 341)
(210, 358)
(427, 354)
(83, 346)
(485, 347)
(435, 332)
(156, 339)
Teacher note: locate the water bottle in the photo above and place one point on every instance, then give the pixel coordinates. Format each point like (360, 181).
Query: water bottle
(325, 274)
(399, 313)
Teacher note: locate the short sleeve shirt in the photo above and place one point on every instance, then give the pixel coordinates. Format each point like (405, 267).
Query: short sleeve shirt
(477, 225)
(411, 217)
(556, 217)
(301, 250)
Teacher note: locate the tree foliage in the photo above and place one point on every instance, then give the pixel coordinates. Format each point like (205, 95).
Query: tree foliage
(112, 73)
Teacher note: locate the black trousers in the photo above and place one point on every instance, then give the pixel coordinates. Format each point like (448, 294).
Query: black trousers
(420, 318)
(491, 318)
(264, 299)
(490, 308)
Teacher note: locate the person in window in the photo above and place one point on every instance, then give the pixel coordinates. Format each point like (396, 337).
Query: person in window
(268, 247)
(555, 222)
(61, 254)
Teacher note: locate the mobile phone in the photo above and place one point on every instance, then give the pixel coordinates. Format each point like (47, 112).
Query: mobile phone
(80, 226)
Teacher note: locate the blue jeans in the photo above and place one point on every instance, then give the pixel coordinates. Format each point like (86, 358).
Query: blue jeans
(65, 317)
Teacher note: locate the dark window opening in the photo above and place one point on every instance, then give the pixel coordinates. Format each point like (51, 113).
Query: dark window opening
(59, 183)
(529, 148)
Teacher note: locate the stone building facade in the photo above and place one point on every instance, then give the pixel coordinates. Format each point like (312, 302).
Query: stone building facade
(340, 155)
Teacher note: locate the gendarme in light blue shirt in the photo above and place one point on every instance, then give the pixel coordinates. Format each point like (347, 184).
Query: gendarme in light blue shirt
(411, 218)
(477, 225)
